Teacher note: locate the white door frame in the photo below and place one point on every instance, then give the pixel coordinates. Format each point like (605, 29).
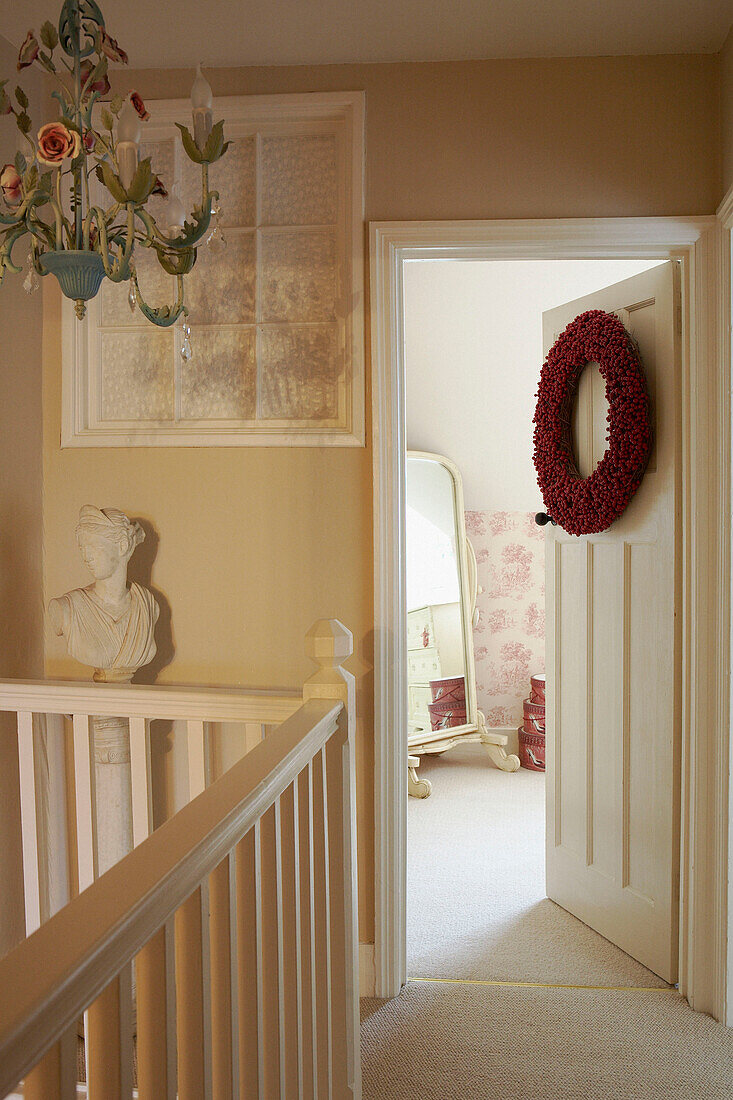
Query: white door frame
(699, 244)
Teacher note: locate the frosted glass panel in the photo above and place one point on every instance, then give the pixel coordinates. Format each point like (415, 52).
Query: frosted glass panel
(299, 372)
(234, 177)
(137, 375)
(298, 275)
(220, 382)
(221, 289)
(276, 318)
(299, 180)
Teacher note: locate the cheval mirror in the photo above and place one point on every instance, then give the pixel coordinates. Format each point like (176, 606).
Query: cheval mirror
(441, 587)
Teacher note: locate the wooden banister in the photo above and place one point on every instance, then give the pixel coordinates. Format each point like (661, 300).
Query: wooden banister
(146, 701)
(238, 914)
(87, 943)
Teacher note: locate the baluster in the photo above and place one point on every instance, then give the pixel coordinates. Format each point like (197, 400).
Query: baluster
(54, 1077)
(329, 644)
(197, 770)
(291, 1060)
(29, 821)
(254, 732)
(307, 934)
(269, 977)
(86, 817)
(224, 1025)
(108, 1034)
(248, 880)
(193, 1002)
(342, 885)
(140, 781)
(156, 1041)
(322, 923)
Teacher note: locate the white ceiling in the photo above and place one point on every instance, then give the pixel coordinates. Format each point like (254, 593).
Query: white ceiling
(177, 33)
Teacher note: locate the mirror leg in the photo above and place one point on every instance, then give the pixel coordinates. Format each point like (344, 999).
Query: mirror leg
(417, 788)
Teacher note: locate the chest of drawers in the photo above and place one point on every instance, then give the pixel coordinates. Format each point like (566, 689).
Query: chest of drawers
(434, 650)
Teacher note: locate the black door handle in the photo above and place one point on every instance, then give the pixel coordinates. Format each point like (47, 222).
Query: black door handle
(542, 518)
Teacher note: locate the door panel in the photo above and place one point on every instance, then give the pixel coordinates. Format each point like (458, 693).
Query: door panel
(613, 686)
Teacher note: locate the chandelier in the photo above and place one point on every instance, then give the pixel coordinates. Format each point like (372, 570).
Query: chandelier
(46, 191)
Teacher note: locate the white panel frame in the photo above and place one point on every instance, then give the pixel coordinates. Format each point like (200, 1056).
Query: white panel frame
(343, 109)
(699, 244)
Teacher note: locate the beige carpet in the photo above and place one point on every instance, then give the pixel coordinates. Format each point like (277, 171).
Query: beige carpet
(458, 1042)
(476, 895)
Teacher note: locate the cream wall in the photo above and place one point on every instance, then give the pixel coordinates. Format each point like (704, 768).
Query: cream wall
(253, 545)
(21, 636)
(726, 111)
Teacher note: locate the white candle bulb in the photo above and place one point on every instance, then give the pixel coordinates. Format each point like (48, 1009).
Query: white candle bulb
(128, 125)
(201, 94)
(128, 138)
(174, 215)
(201, 103)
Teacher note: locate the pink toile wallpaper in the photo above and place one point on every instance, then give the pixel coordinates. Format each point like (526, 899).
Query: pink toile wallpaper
(509, 640)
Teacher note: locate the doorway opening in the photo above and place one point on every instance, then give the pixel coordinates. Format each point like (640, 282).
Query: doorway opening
(477, 905)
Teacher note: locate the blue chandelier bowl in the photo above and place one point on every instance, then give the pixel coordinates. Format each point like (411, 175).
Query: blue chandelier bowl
(79, 273)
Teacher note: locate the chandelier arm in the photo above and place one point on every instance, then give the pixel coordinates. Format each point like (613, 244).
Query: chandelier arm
(119, 270)
(164, 316)
(6, 252)
(197, 227)
(150, 226)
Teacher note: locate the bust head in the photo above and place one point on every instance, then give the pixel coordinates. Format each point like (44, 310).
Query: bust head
(106, 539)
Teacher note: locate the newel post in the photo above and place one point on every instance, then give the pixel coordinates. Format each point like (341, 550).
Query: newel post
(328, 643)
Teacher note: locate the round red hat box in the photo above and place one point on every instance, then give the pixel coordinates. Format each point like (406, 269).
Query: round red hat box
(531, 750)
(444, 715)
(450, 689)
(537, 694)
(534, 713)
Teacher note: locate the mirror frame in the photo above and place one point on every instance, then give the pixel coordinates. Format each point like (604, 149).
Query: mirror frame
(468, 590)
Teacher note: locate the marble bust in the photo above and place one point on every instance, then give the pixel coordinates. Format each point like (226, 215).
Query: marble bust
(109, 624)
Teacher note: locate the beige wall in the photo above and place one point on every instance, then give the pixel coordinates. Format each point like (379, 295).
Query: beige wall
(21, 636)
(252, 545)
(520, 138)
(726, 111)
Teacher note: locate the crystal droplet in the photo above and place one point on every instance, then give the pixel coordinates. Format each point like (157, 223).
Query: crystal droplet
(186, 350)
(132, 298)
(31, 282)
(216, 242)
(186, 329)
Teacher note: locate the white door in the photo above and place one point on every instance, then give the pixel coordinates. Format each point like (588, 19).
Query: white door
(613, 659)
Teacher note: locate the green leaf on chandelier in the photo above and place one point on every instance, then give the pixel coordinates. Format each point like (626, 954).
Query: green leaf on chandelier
(49, 35)
(21, 97)
(215, 146)
(30, 180)
(20, 163)
(24, 122)
(112, 182)
(192, 149)
(143, 182)
(46, 182)
(116, 104)
(107, 120)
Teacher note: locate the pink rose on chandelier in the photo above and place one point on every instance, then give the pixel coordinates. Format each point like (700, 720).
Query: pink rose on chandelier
(137, 101)
(28, 51)
(10, 184)
(101, 85)
(56, 144)
(112, 50)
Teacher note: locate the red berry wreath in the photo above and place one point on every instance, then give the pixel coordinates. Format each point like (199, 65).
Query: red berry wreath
(586, 505)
